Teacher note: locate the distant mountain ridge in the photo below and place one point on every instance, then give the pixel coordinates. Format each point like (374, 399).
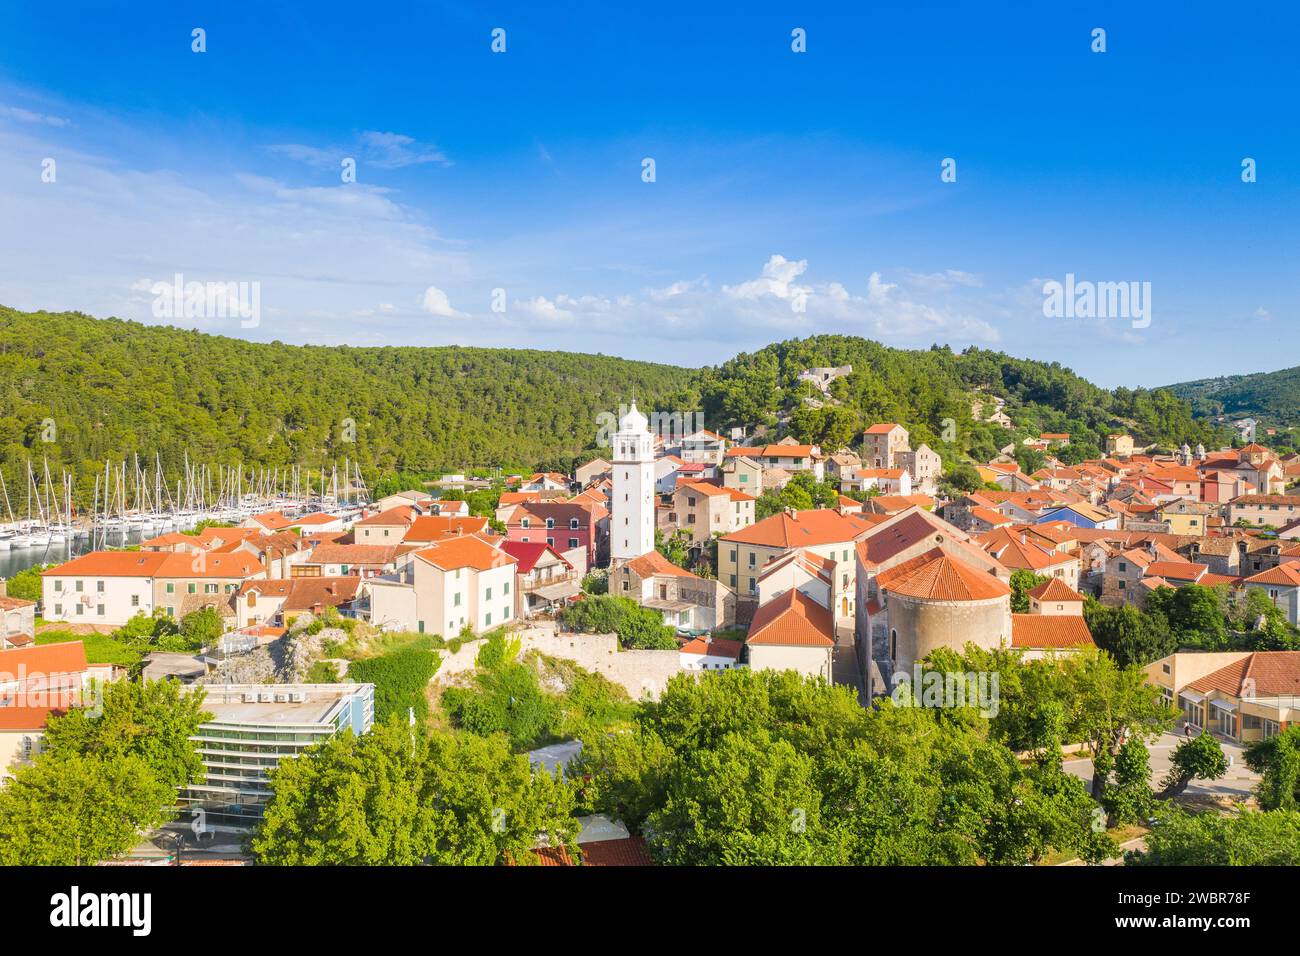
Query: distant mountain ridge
(1271, 397)
(77, 390)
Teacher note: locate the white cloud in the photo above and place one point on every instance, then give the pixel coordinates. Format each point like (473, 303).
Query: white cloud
(371, 148)
(28, 116)
(436, 303)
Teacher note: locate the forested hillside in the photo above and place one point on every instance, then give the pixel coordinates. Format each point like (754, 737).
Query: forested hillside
(106, 388)
(1271, 397)
(922, 389)
(112, 388)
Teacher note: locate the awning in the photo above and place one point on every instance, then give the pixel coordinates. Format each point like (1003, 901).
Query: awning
(1191, 695)
(558, 592)
(1226, 706)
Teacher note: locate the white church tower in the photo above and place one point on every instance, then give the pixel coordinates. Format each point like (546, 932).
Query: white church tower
(632, 520)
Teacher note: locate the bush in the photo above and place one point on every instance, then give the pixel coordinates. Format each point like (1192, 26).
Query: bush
(636, 626)
(400, 680)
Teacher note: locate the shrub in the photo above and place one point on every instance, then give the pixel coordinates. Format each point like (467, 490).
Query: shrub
(400, 679)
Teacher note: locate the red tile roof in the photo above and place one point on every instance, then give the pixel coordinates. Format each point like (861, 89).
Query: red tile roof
(1055, 589)
(1286, 574)
(936, 576)
(652, 563)
(1275, 674)
(468, 551)
(812, 527)
(1041, 631)
(792, 619)
(717, 647)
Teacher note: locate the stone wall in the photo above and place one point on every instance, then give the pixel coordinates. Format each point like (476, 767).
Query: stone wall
(639, 672)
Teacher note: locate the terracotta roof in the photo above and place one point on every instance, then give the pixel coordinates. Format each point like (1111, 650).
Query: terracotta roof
(936, 576)
(301, 594)
(1286, 574)
(883, 428)
(402, 514)
(66, 657)
(12, 603)
(205, 564)
(1176, 570)
(373, 554)
(718, 647)
(804, 528)
(437, 527)
(1291, 500)
(1036, 631)
(628, 851)
(468, 551)
(1054, 589)
(273, 520)
(1275, 674)
(652, 563)
(316, 517)
(109, 564)
(792, 619)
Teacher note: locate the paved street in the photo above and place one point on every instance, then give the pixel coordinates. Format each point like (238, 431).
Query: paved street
(1236, 785)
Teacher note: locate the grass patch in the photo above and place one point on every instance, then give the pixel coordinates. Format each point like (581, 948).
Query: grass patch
(100, 648)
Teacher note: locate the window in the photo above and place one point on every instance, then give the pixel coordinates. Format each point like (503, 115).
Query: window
(524, 524)
(626, 586)
(550, 523)
(573, 524)
(505, 615)
(58, 610)
(81, 586)
(171, 612)
(58, 587)
(99, 609)
(573, 542)
(344, 569)
(193, 587)
(732, 582)
(99, 586)
(135, 600)
(505, 588)
(488, 594)
(487, 619)
(420, 626)
(455, 600)
(171, 588)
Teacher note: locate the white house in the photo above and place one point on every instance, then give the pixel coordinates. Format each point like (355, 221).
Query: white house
(459, 582)
(102, 587)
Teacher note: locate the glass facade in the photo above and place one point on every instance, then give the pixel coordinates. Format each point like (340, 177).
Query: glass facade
(237, 749)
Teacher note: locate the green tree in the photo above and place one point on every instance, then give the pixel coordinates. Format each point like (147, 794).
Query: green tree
(1201, 757)
(1244, 838)
(1111, 704)
(1022, 582)
(151, 720)
(636, 626)
(1127, 634)
(1277, 761)
(399, 797)
(73, 809)
(401, 680)
(1128, 797)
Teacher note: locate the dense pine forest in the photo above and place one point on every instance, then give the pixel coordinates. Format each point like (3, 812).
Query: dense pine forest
(1271, 397)
(77, 390)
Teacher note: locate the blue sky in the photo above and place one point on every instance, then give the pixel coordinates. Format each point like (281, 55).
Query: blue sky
(781, 178)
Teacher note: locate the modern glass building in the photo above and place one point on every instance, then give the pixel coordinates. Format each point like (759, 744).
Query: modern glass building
(254, 727)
